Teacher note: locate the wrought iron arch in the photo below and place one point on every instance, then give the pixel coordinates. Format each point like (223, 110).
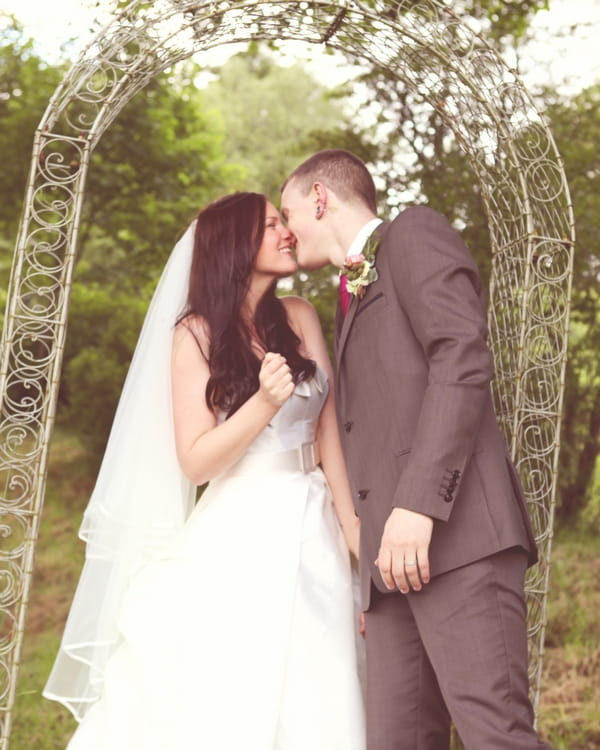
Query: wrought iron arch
(438, 56)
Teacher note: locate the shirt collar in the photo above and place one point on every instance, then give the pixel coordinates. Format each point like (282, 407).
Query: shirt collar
(359, 242)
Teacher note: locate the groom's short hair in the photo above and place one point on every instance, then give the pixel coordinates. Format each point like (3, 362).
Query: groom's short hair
(340, 170)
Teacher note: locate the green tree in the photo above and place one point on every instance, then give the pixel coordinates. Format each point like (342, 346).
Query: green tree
(104, 328)
(274, 117)
(173, 148)
(26, 82)
(417, 157)
(160, 161)
(576, 127)
(503, 21)
(271, 113)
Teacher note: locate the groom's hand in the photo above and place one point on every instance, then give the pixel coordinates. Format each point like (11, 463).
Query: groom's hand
(403, 558)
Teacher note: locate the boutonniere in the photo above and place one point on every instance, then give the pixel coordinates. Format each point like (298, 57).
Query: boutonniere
(360, 270)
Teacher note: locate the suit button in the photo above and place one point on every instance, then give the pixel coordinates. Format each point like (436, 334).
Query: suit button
(448, 497)
(362, 494)
(348, 426)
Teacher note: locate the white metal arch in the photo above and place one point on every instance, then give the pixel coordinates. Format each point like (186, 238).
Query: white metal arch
(439, 57)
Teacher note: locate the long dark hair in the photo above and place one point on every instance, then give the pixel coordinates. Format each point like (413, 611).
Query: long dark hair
(227, 238)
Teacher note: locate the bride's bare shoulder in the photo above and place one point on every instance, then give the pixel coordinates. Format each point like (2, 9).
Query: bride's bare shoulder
(193, 328)
(298, 309)
(304, 321)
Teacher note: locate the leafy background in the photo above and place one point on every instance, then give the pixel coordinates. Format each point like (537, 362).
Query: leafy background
(179, 144)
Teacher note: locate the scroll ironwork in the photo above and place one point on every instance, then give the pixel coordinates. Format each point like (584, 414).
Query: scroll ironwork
(441, 58)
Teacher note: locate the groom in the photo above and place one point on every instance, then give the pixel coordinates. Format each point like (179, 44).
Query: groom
(445, 536)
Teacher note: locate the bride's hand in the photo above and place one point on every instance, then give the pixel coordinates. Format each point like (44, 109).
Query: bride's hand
(275, 379)
(351, 531)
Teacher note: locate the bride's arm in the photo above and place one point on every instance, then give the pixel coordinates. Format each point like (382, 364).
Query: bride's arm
(204, 447)
(304, 319)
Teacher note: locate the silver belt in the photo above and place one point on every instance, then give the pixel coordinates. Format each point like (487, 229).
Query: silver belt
(304, 458)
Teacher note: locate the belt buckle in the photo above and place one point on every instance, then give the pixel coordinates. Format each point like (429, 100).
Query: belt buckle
(308, 457)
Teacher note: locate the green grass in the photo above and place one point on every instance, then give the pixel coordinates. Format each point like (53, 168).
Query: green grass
(39, 723)
(570, 704)
(569, 716)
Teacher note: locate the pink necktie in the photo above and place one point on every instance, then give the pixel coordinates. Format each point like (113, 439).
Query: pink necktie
(344, 294)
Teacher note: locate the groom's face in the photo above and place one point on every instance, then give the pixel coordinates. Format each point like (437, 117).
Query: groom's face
(298, 212)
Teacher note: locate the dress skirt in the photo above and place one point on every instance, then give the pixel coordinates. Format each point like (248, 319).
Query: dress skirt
(242, 634)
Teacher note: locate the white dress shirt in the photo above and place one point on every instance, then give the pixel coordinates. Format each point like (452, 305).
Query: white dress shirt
(359, 242)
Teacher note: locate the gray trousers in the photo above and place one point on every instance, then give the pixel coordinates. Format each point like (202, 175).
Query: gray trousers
(456, 650)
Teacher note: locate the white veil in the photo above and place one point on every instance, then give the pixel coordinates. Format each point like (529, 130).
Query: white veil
(140, 501)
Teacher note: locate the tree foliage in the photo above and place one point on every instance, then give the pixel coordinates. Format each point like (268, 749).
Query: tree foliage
(576, 127)
(508, 19)
(104, 326)
(175, 146)
(154, 168)
(26, 81)
(170, 151)
(161, 160)
(274, 117)
(271, 115)
(503, 21)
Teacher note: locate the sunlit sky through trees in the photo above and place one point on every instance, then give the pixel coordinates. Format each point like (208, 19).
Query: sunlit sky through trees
(563, 50)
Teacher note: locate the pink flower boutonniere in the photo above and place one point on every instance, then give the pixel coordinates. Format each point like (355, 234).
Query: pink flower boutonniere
(360, 270)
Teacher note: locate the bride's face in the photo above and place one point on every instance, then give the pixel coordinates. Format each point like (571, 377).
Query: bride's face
(310, 229)
(275, 256)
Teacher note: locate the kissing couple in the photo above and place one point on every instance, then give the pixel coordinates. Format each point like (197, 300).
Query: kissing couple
(226, 618)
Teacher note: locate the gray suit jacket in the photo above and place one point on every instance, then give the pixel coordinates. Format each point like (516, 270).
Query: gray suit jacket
(418, 428)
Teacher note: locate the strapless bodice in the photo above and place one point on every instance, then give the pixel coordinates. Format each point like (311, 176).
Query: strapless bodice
(296, 421)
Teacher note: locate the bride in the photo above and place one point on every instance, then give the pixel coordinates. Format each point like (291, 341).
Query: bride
(229, 622)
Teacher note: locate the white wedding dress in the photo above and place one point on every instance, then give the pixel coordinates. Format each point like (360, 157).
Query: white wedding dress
(241, 634)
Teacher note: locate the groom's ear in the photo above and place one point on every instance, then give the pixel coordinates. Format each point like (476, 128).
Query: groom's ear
(320, 198)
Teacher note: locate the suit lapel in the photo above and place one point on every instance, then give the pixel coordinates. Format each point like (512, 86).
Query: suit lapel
(342, 338)
(347, 325)
(343, 325)
(339, 322)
